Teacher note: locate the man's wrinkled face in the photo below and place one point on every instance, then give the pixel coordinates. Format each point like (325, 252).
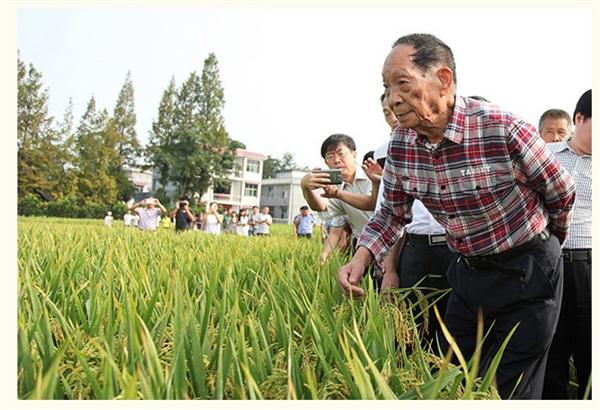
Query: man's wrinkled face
(413, 95)
(554, 129)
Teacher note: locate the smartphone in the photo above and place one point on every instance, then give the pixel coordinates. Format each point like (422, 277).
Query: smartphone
(335, 176)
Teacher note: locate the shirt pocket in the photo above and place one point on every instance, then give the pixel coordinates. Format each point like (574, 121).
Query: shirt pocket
(415, 187)
(482, 192)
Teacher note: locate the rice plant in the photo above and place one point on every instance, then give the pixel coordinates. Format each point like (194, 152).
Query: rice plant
(115, 313)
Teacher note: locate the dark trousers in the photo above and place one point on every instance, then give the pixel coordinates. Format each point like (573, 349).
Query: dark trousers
(420, 260)
(527, 291)
(573, 333)
(305, 235)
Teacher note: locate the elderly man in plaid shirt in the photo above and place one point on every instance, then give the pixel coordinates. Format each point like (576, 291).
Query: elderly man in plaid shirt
(487, 177)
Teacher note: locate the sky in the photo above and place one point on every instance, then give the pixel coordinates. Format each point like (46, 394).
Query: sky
(293, 76)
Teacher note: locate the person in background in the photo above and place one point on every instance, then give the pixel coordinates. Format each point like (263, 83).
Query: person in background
(503, 199)
(226, 219)
(233, 219)
(252, 220)
(241, 227)
(128, 219)
(555, 125)
(213, 220)
(335, 236)
(574, 331)
(262, 222)
(149, 211)
(184, 217)
(108, 219)
(199, 222)
(303, 223)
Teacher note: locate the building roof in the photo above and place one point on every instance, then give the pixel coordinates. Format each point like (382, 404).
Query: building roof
(249, 154)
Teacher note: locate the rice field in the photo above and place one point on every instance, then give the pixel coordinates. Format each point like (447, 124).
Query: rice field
(115, 313)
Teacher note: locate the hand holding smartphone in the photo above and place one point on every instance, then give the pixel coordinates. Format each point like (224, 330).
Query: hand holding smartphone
(335, 176)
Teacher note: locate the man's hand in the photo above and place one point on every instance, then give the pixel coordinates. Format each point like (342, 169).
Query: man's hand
(314, 180)
(348, 277)
(331, 191)
(373, 170)
(391, 280)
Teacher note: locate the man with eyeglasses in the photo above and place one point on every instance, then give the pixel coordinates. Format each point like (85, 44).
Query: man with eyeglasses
(339, 152)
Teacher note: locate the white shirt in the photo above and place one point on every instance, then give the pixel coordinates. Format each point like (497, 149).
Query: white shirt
(580, 168)
(108, 220)
(149, 218)
(127, 219)
(241, 228)
(356, 218)
(212, 225)
(264, 227)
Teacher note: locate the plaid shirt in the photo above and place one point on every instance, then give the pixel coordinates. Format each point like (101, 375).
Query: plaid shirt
(491, 183)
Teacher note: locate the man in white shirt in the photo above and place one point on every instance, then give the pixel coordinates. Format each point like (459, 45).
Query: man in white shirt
(149, 215)
(262, 222)
(574, 330)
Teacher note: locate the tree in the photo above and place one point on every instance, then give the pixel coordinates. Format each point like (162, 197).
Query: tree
(189, 144)
(288, 161)
(68, 154)
(271, 166)
(159, 146)
(38, 142)
(97, 156)
(124, 121)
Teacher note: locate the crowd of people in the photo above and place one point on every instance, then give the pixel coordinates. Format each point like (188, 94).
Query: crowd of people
(149, 215)
(462, 197)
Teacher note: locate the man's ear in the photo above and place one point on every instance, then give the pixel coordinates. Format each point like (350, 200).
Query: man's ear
(446, 78)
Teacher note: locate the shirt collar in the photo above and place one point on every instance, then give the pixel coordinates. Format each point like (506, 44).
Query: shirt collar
(563, 145)
(456, 125)
(359, 174)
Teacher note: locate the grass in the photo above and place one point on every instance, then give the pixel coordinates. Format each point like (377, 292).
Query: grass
(115, 313)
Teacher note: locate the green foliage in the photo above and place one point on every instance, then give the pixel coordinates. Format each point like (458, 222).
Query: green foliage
(39, 156)
(272, 165)
(123, 122)
(189, 144)
(120, 313)
(68, 207)
(98, 159)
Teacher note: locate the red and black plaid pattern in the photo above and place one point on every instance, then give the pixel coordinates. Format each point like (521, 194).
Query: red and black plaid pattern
(491, 183)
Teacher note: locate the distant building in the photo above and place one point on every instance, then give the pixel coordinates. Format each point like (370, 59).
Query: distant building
(243, 187)
(283, 195)
(142, 179)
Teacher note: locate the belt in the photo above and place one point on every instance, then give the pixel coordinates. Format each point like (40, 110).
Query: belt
(484, 262)
(577, 255)
(431, 240)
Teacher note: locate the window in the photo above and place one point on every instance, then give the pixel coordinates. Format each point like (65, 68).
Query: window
(270, 192)
(252, 165)
(251, 190)
(284, 194)
(284, 212)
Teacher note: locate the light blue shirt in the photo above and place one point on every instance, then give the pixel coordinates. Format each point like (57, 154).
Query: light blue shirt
(305, 224)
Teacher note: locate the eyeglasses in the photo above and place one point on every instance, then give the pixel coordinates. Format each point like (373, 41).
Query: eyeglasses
(337, 154)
